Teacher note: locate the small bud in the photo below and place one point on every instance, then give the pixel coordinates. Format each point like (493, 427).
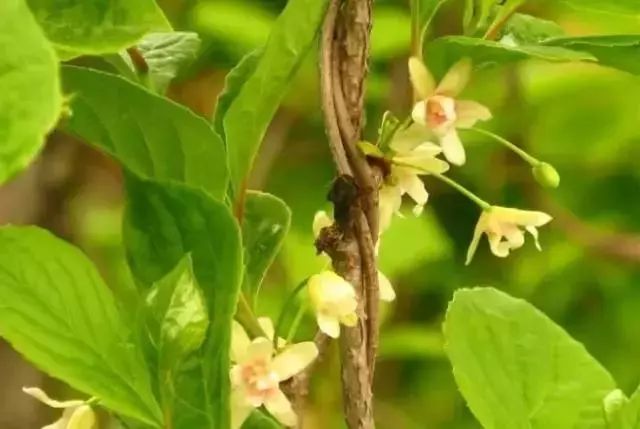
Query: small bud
(546, 175)
(613, 403)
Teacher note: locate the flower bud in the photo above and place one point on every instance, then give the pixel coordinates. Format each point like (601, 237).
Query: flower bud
(546, 175)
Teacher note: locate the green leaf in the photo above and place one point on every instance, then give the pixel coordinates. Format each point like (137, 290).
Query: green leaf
(163, 222)
(258, 420)
(166, 53)
(609, 6)
(619, 51)
(96, 27)
(232, 85)
(148, 134)
(445, 51)
(517, 369)
(265, 224)
(251, 111)
(526, 29)
(29, 84)
(179, 318)
(56, 310)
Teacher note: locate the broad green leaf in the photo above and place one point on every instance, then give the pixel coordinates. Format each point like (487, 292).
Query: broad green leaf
(232, 85)
(179, 318)
(445, 51)
(148, 134)
(422, 12)
(526, 29)
(619, 51)
(166, 53)
(517, 369)
(253, 108)
(31, 99)
(96, 27)
(265, 224)
(609, 6)
(56, 310)
(259, 420)
(163, 222)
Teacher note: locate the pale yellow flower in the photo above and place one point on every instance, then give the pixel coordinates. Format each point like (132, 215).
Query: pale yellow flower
(257, 372)
(412, 155)
(77, 414)
(503, 228)
(334, 302)
(440, 110)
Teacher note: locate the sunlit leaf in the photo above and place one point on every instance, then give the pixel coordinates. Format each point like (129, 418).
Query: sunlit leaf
(164, 221)
(265, 224)
(253, 108)
(81, 27)
(148, 134)
(615, 6)
(56, 310)
(30, 98)
(518, 369)
(619, 51)
(526, 29)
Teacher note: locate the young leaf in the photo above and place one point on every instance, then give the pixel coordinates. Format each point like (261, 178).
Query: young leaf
(179, 318)
(526, 29)
(166, 53)
(29, 83)
(232, 85)
(96, 27)
(619, 51)
(249, 114)
(445, 51)
(56, 310)
(265, 224)
(518, 369)
(165, 221)
(148, 134)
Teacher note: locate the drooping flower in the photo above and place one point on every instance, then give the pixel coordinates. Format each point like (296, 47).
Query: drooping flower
(503, 228)
(411, 155)
(257, 372)
(77, 413)
(333, 299)
(334, 302)
(440, 110)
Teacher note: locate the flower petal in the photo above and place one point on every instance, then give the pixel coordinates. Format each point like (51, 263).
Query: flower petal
(83, 417)
(419, 113)
(469, 112)
(41, 396)
(514, 236)
(329, 325)
(498, 247)
(267, 326)
(534, 232)
(260, 349)
(386, 289)
(477, 235)
(452, 147)
(422, 80)
(456, 78)
(521, 217)
(294, 359)
(240, 408)
(349, 319)
(239, 342)
(410, 138)
(280, 407)
(414, 187)
(389, 202)
(321, 220)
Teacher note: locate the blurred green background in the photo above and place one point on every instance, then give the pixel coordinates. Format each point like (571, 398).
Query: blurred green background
(582, 118)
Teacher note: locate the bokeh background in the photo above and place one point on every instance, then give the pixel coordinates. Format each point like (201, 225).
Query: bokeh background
(582, 118)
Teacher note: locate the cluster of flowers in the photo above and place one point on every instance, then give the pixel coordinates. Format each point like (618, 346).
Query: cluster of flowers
(259, 365)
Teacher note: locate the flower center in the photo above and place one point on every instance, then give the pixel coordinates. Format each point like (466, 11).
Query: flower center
(440, 112)
(259, 381)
